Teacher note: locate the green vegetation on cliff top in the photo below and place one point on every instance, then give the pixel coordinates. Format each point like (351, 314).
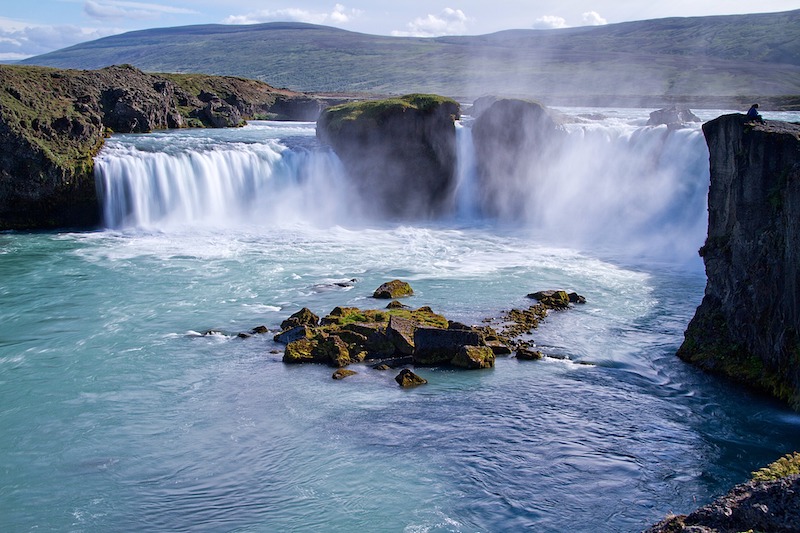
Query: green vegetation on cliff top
(788, 465)
(378, 110)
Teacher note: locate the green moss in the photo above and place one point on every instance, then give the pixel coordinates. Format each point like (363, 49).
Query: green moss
(709, 344)
(380, 110)
(787, 465)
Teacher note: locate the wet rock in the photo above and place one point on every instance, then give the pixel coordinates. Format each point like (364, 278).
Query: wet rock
(393, 289)
(343, 373)
(435, 346)
(303, 317)
(401, 152)
(401, 332)
(526, 354)
(293, 334)
(300, 351)
(407, 378)
(672, 116)
(552, 299)
(381, 366)
(772, 506)
(473, 357)
(394, 304)
(332, 351)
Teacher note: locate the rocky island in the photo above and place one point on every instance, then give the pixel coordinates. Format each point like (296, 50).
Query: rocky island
(53, 122)
(401, 152)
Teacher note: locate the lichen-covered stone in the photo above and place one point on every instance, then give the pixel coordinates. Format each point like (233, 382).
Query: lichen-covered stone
(401, 332)
(552, 299)
(293, 334)
(393, 289)
(300, 351)
(473, 357)
(526, 354)
(332, 351)
(343, 373)
(407, 378)
(304, 317)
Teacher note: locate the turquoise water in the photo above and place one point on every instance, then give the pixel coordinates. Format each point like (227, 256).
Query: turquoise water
(118, 415)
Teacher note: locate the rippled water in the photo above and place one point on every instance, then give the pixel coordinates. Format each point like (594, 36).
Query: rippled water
(117, 416)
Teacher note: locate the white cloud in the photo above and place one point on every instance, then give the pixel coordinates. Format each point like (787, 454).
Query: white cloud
(550, 22)
(119, 9)
(448, 22)
(339, 15)
(19, 40)
(593, 18)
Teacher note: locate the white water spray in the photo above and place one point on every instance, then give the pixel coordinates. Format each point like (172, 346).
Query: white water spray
(611, 185)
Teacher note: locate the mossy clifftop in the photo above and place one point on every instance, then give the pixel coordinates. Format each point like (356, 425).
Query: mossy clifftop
(53, 122)
(400, 152)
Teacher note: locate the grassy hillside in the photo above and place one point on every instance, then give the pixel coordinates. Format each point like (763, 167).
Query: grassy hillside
(718, 56)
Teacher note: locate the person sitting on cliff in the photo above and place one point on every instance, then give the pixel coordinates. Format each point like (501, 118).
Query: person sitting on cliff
(752, 113)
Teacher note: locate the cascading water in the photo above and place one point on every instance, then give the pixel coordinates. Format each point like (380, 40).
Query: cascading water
(613, 184)
(178, 179)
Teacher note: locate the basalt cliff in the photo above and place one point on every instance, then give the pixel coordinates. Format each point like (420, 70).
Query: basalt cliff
(53, 122)
(401, 152)
(748, 324)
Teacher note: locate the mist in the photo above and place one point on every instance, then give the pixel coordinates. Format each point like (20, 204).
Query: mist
(603, 184)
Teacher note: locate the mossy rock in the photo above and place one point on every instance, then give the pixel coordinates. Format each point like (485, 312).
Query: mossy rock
(300, 351)
(393, 289)
(343, 373)
(473, 357)
(526, 354)
(407, 378)
(304, 317)
(788, 465)
(332, 351)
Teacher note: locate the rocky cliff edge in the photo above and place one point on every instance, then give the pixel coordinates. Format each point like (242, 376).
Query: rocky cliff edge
(748, 324)
(53, 122)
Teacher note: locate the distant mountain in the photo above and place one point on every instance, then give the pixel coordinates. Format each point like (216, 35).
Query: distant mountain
(739, 55)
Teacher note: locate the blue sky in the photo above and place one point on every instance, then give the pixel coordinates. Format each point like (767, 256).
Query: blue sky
(32, 27)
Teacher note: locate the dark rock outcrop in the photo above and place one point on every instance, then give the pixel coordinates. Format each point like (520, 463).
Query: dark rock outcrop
(673, 116)
(401, 152)
(748, 324)
(53, 123)
(393, 289)
(407, 378)
(514, 142)
(768, 502)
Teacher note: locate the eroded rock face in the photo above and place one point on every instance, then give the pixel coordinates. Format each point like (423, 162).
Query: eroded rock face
(401, 152)
(748, 325)
(53, 123)
(514, 142)
(673, 116)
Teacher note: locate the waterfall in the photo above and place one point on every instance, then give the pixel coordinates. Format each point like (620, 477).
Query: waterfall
(176, 181)
(616, 185)
(611, 184)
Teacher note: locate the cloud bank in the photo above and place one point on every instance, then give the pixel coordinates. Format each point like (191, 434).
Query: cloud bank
(19, 40)
(448, 22)
(554, 22)
(119, 9)
(339, 15)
